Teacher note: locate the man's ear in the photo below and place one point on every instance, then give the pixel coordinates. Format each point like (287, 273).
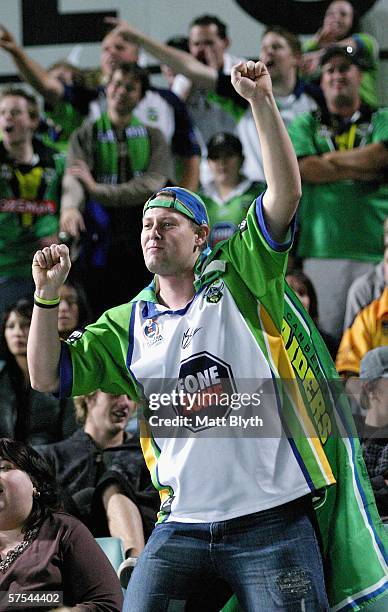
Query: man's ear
(203, 234)
(226, 42)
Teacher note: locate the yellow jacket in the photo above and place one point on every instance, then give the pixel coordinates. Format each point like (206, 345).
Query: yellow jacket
(369, 330)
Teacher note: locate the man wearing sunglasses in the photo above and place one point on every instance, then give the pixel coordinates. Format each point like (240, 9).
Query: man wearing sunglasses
(235, 508)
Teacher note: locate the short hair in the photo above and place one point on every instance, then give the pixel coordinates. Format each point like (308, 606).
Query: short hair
(32, 101)
(78, 75)
(292, 39)
(206, 20)
(134, 70)
(42, 476)
(81, 406)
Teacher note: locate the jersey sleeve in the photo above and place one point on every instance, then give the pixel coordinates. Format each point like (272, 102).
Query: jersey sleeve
(301, 133)
(380, 126)
(258, 259)
(100, 356)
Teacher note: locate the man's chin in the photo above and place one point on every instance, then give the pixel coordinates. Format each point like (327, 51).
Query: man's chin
(343, 100)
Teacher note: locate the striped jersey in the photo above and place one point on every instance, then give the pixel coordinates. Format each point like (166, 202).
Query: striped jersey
(243, 332)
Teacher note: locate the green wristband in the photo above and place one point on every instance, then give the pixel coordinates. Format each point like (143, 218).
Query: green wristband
(38, 301)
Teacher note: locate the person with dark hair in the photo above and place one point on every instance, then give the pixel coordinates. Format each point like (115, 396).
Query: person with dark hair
(340, 27)
(27, 415)
(74, 310)
(228, 196)
(30, 187)
(112, 165)
(43, 549)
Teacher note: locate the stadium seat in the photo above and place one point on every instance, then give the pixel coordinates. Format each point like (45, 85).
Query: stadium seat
(113, 548)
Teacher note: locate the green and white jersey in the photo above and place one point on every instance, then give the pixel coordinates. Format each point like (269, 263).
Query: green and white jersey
(222, 343)
(242, 322)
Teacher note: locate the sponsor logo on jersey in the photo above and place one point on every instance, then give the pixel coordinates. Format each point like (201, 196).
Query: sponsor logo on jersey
(243, 225)
(188, 336)
(34, 207)
(152, 332)
(165, 507)
(76, 335)
(214, 292)
(152, 114)
(205, 384)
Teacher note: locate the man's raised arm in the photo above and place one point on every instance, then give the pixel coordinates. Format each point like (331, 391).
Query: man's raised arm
(252, 81)
(180, 61)
(48, 86)
(50, 268)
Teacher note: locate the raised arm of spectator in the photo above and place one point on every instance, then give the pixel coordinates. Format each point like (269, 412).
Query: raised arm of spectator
(50, 268)
(252, 81)
(49, 87)
(180, 61)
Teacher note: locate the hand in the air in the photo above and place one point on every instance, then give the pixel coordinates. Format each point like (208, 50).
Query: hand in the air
(50, 267)
(251, 80)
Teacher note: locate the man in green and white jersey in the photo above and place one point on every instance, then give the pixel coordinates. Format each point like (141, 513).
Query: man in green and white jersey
(191, 326)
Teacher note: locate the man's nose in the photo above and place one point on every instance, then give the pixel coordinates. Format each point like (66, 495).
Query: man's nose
(155, 233)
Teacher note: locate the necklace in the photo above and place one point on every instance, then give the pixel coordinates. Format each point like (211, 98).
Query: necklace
(13, 554)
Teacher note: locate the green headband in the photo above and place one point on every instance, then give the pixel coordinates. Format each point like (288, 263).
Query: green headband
(174, 204)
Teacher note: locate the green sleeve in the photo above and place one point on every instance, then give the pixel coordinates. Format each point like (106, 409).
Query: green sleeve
(99, 356)
(257, 262)
(301, 132)
(380, 125)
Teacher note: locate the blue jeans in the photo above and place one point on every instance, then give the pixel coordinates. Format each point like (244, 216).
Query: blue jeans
(270, 560)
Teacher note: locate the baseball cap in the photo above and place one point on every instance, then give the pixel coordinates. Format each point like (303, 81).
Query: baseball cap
(350, 53)
(375, 363)
(223, 143)
(186, 202)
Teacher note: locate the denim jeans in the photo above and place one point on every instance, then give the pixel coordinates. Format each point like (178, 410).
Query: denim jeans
(270, 560)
